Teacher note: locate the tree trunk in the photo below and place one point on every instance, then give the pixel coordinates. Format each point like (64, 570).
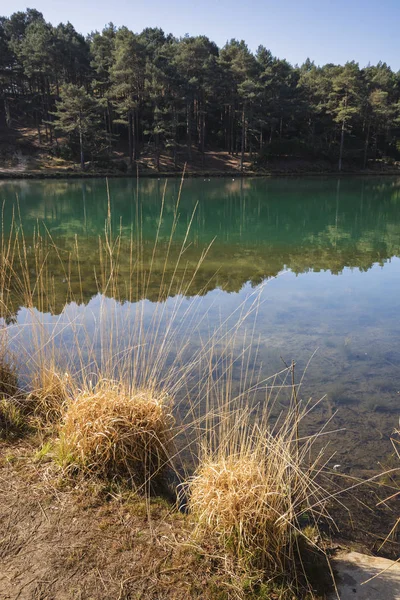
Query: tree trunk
(130, 138)
(243, 138)
(198, 106)
(385, 144)
(106, 131)
(7, 112)
(341, 147)
(110, 123)
(48, 103)
(81, 148)
(44, 111)
(375, 146)
(157, 151)
(136, 136)
(202, 135)
(175, 142)
(226, 127)
(38, 128)
(366, 145)
(189, 130)
(51, 128)
(232, 128)
(312, 126)
(229, 130)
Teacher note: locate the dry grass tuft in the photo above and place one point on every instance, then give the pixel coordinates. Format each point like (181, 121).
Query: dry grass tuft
(251, 497)
(12, 422)
(115, 431)
(48, 400)
(235, 500)
(8, 377)
(394, 481)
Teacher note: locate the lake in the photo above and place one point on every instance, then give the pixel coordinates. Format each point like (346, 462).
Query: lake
(320, 256)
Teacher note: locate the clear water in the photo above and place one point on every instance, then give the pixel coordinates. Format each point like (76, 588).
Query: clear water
(323, 255)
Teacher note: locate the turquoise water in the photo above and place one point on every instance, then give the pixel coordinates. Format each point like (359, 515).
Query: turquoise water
(320, 257)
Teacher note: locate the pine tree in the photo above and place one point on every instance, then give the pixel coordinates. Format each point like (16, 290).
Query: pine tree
(77, 115)
(177, 93)
(128, 79)
(244, 70)
(344, 100)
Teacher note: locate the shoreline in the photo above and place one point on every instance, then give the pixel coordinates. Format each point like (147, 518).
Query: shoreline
(105, 533)
(9, 175)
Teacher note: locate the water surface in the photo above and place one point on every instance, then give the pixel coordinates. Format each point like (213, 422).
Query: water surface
(323, 254)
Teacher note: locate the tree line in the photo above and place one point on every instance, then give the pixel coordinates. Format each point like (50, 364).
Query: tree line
(153, 91)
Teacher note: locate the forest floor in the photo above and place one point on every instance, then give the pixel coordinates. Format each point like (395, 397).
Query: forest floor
(77, 540)
(21, 155)
(68, 539)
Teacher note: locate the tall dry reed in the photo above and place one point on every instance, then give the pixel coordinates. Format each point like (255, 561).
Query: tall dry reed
(255, 496)
(68, 352)
(134, 388)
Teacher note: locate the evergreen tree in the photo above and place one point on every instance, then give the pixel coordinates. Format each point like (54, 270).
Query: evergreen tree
(195, 60)
(127, 76)
(169, 94)
(102, 46)
(344, 100)
(7, 72)
(244, 71)
(35, 51)
(77, 116)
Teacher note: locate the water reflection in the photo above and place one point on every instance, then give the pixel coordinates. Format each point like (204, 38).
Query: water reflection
(258, 228)
(330, 251)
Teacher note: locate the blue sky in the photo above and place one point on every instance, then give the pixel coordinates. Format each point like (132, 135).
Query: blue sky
(324, 30)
